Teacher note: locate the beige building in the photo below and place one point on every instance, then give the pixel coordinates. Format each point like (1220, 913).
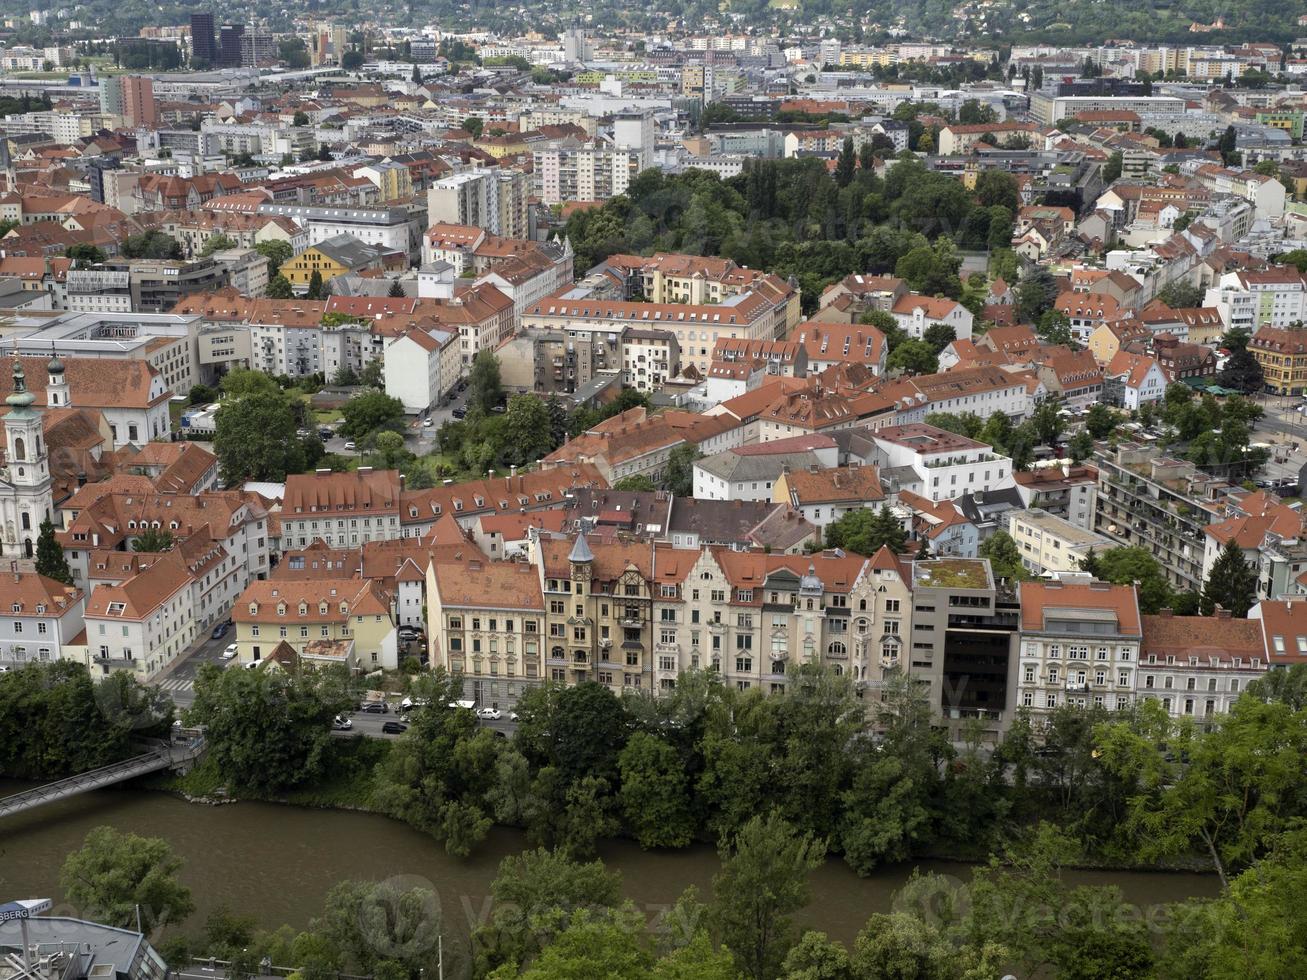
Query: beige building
(1052, 544)
(486, 621)
(145, 623)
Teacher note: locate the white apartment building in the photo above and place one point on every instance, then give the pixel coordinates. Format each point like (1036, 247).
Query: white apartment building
(946, 465)
(1275, 297)
(145, 623)
(421, 366)
(1079, 644)
(493, 199)
(583, 173)
(389, 227)
(38, 617)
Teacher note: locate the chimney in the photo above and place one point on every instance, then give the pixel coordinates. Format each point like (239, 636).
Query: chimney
(1222, 613)
(1165, 613)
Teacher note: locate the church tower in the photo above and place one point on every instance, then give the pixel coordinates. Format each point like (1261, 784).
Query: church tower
(26, 501)
(56, 386)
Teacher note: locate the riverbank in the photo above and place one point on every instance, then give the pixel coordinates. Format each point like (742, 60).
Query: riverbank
(351, 788)
(276, 862)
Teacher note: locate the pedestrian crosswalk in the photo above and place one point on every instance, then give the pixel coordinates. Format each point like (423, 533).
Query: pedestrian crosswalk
(176, 684)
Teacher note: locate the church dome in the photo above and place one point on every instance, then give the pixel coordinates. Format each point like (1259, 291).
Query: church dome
(20, 397)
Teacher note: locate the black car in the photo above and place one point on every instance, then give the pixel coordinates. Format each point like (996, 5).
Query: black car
(394, 728)
(460, 413)
(220, 631)
(325, 434)
(375, 708)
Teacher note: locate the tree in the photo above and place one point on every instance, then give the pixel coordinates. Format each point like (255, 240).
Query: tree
(381, 928)
(301, 118)
(1180, 294)
(114, 874)
(202, 394)
(913, 357)
(484, 388)
(473, 125)
(1004, 557)
(1226, 792)
(396, 290)
(245, 381)
(527, 430)
(763, 881)
(1242, 372)
(964, 424)
(1047, 421)
(1081, 446)
(654, 794)
(535, 894)
(216, 243)
(371, 411)
(81, 253)
(279, 287)
(1131, 566)
(995, 188)
(315, 286)
(678, 478)
(255, 438)
(638, 483)
(815, 957)
(608, 946)
(847, 164)
(389, 447)
(1231, 584)
(50, 560)
(1055, 328)
(153, 539)
(1112, 169)
(1100, 421)
(352, 60)
(278, 253)
(1036, 293)
(151, 245)
(865, 531)
(939, 336)
(267, 730)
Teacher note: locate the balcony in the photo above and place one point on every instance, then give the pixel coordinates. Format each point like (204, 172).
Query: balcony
(632, 622)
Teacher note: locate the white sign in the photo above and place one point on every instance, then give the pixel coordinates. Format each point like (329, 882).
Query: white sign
(24, 908)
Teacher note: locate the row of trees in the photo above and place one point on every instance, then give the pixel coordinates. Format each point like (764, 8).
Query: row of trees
(699, 762)
(788, 216)
(1157, 787)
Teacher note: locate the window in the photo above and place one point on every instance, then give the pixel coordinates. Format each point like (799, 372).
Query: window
(743, 665)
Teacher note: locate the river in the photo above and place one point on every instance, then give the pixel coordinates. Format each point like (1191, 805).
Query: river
(277, 862)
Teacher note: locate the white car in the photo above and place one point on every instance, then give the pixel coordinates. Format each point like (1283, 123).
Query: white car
(408, 704)
(512, 716)
(253, 665)
(229, 652)
(427, 423)
(488, 714)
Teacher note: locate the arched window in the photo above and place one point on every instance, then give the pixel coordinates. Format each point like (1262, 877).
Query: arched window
(27, 548)
(836, 649)
(20, 448)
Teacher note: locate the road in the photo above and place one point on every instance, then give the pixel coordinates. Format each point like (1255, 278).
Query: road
(369, 725)
(179, 684)
(1282, 425)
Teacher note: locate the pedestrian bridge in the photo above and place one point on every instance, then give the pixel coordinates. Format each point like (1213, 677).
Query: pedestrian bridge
(185, 746)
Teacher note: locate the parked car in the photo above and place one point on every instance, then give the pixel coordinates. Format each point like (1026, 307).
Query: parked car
(408, 704)
(349, 447)
(512, 716)
(409, 633)
(375, 708)
(341, 724)
(325, 434)
(253, 665)
(219, 631)
(394, 728)
(488, 714)
(460, 413)
(427, 423)
(229, 652)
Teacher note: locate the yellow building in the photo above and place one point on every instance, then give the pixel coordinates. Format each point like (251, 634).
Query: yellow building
(332, 257)
(1282, 353)
(305, 612)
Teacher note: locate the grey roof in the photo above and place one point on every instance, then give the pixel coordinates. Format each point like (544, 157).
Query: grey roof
(581, 551)
(987, 505)
(361, 216)
(719, 521)
(782, 529)
(735, 468)
(347, 250)
(99, 944)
